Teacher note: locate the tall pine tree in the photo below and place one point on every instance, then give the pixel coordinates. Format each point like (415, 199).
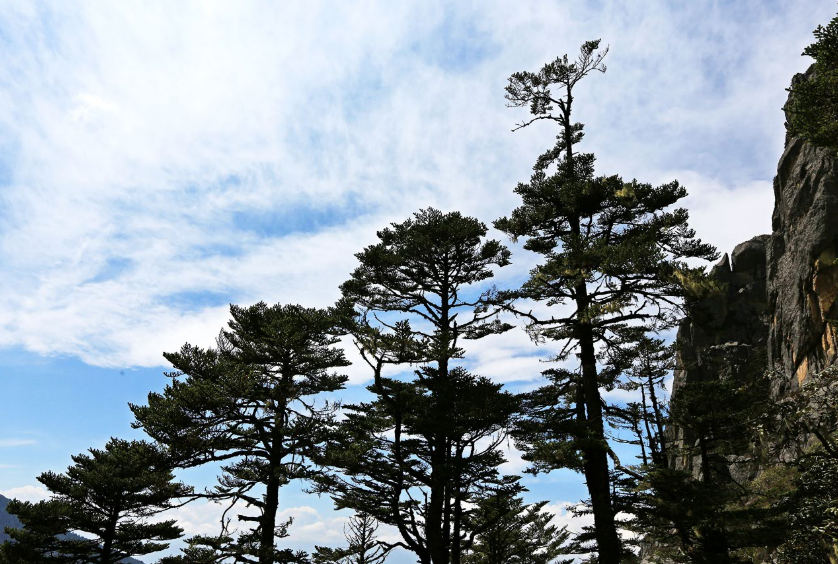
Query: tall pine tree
(419, 454)
(613, 257)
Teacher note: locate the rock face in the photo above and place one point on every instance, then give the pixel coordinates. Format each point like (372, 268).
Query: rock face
(732, 325)
(726, 336)
(802, 279)
(781, 289)
(778, 310)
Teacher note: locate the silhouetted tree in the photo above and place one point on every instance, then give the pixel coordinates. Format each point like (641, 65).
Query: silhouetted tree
(613, 258)
(518, 534)
(696, 503)
(813, 105)
(810, 418)
(250, 404)
(109, 494)
(428, 444)
(362, 545)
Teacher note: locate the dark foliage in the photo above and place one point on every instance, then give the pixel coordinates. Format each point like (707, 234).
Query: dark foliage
(109, 494)
(614, 252)
(519, 534)
(426, 447)
(362, 546)
(813, 105)
(249, 403)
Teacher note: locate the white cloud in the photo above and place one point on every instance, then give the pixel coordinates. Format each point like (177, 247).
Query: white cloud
(727, 215)
(160, 160)
(514, 464)
(204, 517)
(309, 525)
(27, 493)
(158, 152)
(564, 516)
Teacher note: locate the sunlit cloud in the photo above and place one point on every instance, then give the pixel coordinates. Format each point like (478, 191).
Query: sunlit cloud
(163, 161)
(27, 493)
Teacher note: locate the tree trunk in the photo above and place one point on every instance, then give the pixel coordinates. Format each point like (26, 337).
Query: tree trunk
(664, 460)
(594, 450)
(595, 453)
(105, 554)
(456, 547)
(434, 518)
(714, 543)
(271, 499)
(268, 521)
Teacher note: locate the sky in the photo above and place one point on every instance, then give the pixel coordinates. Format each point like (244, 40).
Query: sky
(159, 161)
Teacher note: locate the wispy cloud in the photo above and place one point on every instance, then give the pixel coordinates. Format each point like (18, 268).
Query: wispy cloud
(160, 161)
(8, 443)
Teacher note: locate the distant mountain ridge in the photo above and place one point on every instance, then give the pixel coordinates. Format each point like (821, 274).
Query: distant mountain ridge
(8, 520)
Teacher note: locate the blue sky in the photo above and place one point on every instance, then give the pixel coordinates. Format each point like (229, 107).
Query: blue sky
(159, 161)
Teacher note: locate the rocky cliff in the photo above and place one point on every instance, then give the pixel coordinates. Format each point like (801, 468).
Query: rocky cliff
(727, 335)
(780, 289)
(802, 278)
(777, 311)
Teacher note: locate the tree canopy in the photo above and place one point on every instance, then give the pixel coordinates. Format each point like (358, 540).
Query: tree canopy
(110, 494)
(250, 404)
(426, 447)
(812, 108)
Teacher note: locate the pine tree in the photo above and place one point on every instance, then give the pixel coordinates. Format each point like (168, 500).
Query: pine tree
(614, 252)
(809, 420)
(108, 494)
(362, 546)
(39, 540)
(518, 534)
(650, 361)
(813, 517)
(693, 502)
(427, 445)
(813, 105)
(249, 403)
